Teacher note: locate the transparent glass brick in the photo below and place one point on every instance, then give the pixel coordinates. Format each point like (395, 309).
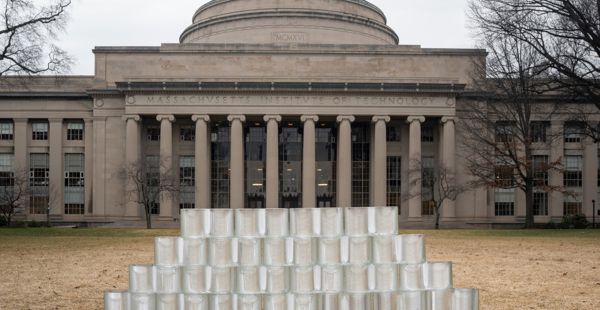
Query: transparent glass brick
(305, 251)
(332, 279)
(386, 221)
(274, 252)
(440, 299)
(195, 302)
(306, 302)
(277, 223)
(359, 301)
(249, 302)
(411, 249)
(167, 301)
(275, 302)
(465, 299)
(141, 279)
(438, 275)
(303, 279)
(359, 250)
(386, 278)
(303, 222)
(222, 280)
(220, 252)
(248, 280)
(412, 300)
(194, 251)
(195, 223)
(166, 251)
(247, 222)
(411, 277)
(249, 251)
(138, 301)
(221, 302)
(332, 222)
(194, 279)
(356, 278)
(384, 301)
(277, 280)
(356, 221)
(331, 302)
(115, 300)
(167, 280)
(221, 223)
(384, 250)
(330, 251)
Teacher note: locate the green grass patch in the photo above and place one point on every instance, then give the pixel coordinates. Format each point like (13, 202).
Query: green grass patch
(500, 233)
(86, 232)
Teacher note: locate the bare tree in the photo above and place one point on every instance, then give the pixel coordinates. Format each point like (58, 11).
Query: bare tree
(13, 195)
(26, 31)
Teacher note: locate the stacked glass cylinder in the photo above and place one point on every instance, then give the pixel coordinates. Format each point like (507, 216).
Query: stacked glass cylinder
(291, 259)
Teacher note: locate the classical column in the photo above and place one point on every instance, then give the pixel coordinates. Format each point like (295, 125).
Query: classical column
(344, 161)
(202, 158)
(236, 165)
(379, 161)
(272, 194)
(89, 163)
(414, 166)
(132, 163)
(56, 188)
(448, 155)
(166, 163)
(309, 164)
(590, 176)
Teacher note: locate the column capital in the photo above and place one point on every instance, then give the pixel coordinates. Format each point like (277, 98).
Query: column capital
(411, 119)
(447, 119)
(201, 117)
(273, 117)
(380, 118)
(134, 117)
(165, 117)
(241, 118)
(349, 118)
(55, 120)
(88, 120)
(20, 120)
(314, 118)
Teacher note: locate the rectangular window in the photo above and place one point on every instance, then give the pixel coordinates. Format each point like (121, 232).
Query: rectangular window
(539, 131)
(7, 170)
(573, 131)
(540, 170)
(572, 205)
(152, 167)
(6, 131)
(38, 204)
(39, 131)
(505, 132)
(573, 174)
(428, 185)
(360, 164)
(504, 202)
(394, 134)
(394, 181)
(75, 131)
(220, 166)
(38, 183)
(187, 133)
(427, 133)
(153, 133)
(187, 182)
(74, 184)
(504, 176)
(540, 204)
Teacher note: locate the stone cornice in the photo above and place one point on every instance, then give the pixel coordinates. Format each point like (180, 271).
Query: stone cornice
(40, 95)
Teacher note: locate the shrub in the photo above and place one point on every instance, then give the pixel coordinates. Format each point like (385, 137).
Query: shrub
(3, 221)
(550, 225)
(578, 221)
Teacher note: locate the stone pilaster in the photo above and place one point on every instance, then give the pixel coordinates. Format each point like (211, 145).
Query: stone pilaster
(448, 156)
(309, 165)
(89, 163)
(56, 187)
(166, 163)
(20, 139)
(555, 177)
(414, 166)
(379, 161)
(133, 163)
(236, 188)
(272, 194)
(590, 176)
(202, 162)
(344, 161)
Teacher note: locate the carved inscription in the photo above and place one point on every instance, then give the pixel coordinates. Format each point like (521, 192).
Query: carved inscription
(289, 37)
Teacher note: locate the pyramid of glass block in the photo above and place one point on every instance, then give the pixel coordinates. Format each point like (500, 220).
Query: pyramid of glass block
(296, 259)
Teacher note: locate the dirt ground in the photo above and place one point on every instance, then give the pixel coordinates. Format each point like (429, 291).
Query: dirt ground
(514, 270)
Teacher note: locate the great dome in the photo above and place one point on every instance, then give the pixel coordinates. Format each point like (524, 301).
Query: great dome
(289, 21)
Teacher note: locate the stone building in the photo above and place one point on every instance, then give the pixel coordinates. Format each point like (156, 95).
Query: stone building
(263, 103)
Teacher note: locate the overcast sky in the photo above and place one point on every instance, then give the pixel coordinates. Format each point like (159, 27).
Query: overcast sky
(429, 23)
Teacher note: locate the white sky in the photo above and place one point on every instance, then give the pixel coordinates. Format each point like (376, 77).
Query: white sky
(429, 23)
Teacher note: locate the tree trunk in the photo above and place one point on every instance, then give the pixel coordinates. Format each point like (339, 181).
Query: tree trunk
(529, 220)
(148, 218)
(437, 218)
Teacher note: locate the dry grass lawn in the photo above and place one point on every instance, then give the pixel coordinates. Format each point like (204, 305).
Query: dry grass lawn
(70, 269)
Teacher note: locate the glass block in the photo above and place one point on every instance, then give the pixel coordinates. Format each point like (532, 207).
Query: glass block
(386, 278)
(139, 301)
(275, 302)
(222, 280)
(384, 250)
(277, 222)
(356, 221)
(331, 302)
(166, 251)
(195, 302)
(248, 280)
(303, 279)
(384, 301)
(465, 299)
(356, 278)
(305, 251)
(167, 280)
(194, 251)
(330, 251)
(359, 302)
(194, 279)
(274, 252)
(247, 222)
(249, 251)
(306, 302)
(440, 299)
(412, 300)
(249, 302)
(332, 222)
(221, 302)
(411, 249)
(141, 279)
(386, 221)
(221, 223)
(302, 222)
(220, 252)
(438, 275)
(115, 300)
(167, 302)
(332, 279)
(359, 250)
(277, 280)
(195, 223)
(411, 277)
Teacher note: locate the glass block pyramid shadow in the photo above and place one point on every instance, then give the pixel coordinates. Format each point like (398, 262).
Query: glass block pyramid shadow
(296, 259)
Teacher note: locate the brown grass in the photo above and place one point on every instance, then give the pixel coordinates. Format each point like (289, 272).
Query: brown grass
(514, 270)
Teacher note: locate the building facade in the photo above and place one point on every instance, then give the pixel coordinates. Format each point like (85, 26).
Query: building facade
(266, 104)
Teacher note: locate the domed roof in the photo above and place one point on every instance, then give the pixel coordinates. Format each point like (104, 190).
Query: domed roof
(289, 21)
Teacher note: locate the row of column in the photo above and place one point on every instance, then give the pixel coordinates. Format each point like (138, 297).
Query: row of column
(309, 199)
